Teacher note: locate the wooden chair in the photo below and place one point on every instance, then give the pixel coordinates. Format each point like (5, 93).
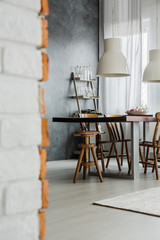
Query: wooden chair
(116, 135)
(99, 146)
(83, 160)
(155, 145)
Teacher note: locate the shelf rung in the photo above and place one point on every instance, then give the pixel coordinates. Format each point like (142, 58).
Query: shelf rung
(86, 98)
(85, 80)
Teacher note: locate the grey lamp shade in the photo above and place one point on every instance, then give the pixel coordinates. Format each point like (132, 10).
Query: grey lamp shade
(113, 62)
(152, 71)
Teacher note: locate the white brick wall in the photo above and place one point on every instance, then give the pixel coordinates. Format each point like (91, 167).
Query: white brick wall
(20, 25)
(0, 60)
(23, 197)
(17, 95)
(21, 131)
(20, 120)
(1, 200)
(19, 163)
(22, 61)
(19, 227)
(27, 4)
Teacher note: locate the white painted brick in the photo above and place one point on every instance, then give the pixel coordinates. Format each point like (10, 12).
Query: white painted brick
(19, 163)
(1, 202)
(23, 62)
(4, 44)
(1, 199)
(0, 60)
(20, 227)
(21, 131)
(34, 5)
(20, 189)
(18, 96)
(20, 25)
(22, 197)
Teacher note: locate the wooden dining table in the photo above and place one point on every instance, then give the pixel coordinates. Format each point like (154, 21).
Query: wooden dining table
(135, 126)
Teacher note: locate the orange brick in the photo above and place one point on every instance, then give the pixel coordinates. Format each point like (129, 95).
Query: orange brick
(42, 107)
(44, 33)
(43, 158)
(44, 7)
(45, 133)
(42, 225)
(45, 67)
(45, 194)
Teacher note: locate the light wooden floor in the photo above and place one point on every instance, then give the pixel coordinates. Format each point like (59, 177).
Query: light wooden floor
(71, 215)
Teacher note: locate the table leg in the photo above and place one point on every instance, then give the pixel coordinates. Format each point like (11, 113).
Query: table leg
(135, 149)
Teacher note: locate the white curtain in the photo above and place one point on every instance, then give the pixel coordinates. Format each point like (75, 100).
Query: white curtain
(151, 31)
(149, 11)
(120, 94)
(135, 24)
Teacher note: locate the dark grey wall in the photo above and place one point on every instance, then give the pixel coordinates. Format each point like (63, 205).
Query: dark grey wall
(73, 40)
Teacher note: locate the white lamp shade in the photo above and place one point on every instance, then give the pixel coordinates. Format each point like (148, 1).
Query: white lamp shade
(152, 71)
(112, 62)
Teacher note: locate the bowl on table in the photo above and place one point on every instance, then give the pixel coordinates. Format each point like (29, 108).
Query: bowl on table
(137, 111)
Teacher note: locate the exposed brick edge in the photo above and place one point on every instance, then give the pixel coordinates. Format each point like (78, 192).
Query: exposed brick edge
(43, 158)
(45, 67)
(44, 33)
(45, 193)
(42, 225)
(44, 7)
(45, 133)
(41, 100)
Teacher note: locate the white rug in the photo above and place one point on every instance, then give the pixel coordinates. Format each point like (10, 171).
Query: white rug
(146, 202)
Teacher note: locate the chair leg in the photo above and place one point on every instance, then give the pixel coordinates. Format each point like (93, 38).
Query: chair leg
(102, 157)
(146, 160)
(141, 156)
(157, 153)
(153, 167)
(156, 165)
(83, 160)
(157, 160)
(128, 160)
(97, 144)
(85, 168)
(108, 159)
(96, 163)
(78, 165)
(130, 168)
(117, 158)
(122, 147)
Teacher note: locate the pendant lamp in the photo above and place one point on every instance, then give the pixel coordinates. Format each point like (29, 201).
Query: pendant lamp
(152, 71)
(113, 62)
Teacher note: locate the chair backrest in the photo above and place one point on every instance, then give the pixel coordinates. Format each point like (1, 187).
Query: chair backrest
(85, 125)
(115, 130)
(157, 115)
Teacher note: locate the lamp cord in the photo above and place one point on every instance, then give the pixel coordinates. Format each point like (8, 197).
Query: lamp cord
(113, 18)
